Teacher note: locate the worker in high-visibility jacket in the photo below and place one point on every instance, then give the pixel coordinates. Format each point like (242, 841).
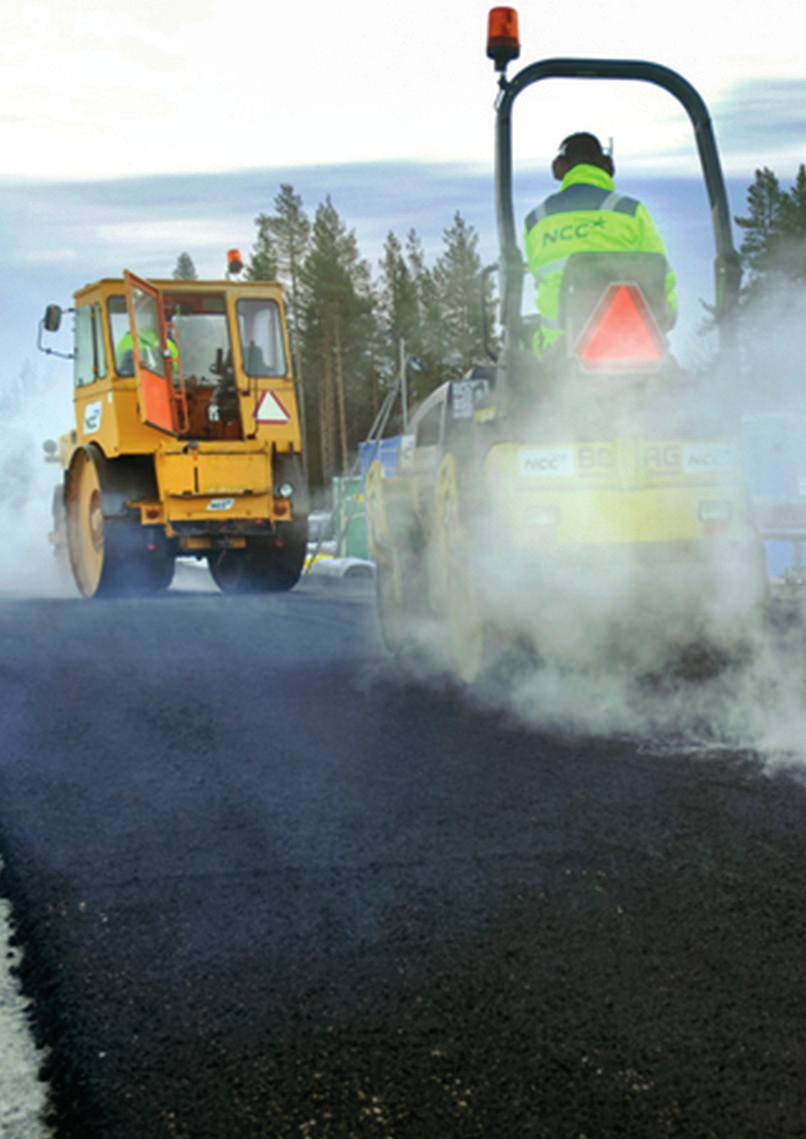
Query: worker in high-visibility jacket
(149, 345)
(587, 214)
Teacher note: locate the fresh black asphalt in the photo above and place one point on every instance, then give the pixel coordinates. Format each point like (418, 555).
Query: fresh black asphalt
(269, 885)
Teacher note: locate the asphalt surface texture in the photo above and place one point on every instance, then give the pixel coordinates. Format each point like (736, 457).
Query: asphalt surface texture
(268, 883)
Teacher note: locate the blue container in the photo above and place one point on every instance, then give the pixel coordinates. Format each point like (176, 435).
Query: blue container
(775, 461)
(386, 450)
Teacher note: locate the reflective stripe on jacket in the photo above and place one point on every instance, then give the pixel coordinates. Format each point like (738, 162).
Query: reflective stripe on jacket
(587, 214)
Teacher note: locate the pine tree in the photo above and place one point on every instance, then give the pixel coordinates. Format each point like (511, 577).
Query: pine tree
(262, 264)
(774, 245)
(773, 308)
(793, 227)
(398, 292)
(290, 233)
(338, 336)
(458, 278)
(398, 314)
(185, 270)
(431, 331)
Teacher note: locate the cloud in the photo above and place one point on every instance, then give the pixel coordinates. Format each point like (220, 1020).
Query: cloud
(145, 222)
(763, 119)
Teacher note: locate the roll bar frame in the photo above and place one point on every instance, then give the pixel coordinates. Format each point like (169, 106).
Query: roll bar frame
(727, 264)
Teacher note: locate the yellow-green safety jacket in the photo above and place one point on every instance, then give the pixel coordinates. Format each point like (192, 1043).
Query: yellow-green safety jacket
(587, 214)
(147, 338)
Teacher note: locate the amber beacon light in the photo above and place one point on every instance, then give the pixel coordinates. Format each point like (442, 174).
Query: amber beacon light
(502, 37)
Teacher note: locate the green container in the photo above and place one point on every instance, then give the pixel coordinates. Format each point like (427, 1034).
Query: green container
(350, 518)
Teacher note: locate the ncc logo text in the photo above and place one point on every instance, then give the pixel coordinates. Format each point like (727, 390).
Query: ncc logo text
(579, 230)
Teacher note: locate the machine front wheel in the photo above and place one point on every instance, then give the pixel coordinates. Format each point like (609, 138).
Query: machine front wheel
(85, 523)
(110, 556)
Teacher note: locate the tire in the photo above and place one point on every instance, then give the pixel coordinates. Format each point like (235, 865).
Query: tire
(262, 566)
(111, 556)
(85, 523)
(162, 573)
(228, 570)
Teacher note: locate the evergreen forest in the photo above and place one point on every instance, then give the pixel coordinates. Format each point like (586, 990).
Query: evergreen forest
(355, 327)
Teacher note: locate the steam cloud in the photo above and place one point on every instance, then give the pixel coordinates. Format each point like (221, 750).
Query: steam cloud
(611, 649)
(27, 562)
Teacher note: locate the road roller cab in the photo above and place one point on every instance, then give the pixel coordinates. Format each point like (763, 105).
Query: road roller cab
(187, 439)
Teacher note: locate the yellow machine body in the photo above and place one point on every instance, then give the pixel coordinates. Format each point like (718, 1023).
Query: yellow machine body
(501, 547)
(186, 411)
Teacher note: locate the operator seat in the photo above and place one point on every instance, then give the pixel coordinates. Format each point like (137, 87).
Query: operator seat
(253, 362)
(588, 275)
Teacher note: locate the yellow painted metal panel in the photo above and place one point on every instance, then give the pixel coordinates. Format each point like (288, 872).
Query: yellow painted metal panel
(627, 463)
(220, 472)
(176, 474)
(617, 491)
(218, 508)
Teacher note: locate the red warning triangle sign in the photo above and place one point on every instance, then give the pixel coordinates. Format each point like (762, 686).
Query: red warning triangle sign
(622, 334)
(270, 409)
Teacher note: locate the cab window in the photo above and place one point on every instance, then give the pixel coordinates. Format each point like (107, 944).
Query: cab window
(146, 314)
(261, 332)
(121, 338)
(148, 331)
(199, 323)
(100, 344)
(90, 356)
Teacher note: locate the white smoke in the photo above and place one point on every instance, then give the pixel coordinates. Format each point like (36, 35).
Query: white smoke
(666, 654)
(27, 562)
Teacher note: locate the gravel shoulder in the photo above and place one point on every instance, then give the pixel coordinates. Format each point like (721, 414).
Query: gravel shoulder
(22, 1093)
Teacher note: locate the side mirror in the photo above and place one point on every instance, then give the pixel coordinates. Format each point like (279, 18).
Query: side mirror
(51, 322)
(53, 318)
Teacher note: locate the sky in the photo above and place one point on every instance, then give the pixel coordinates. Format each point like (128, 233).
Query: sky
(109, 111)
(126, 101)
(91, 89)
